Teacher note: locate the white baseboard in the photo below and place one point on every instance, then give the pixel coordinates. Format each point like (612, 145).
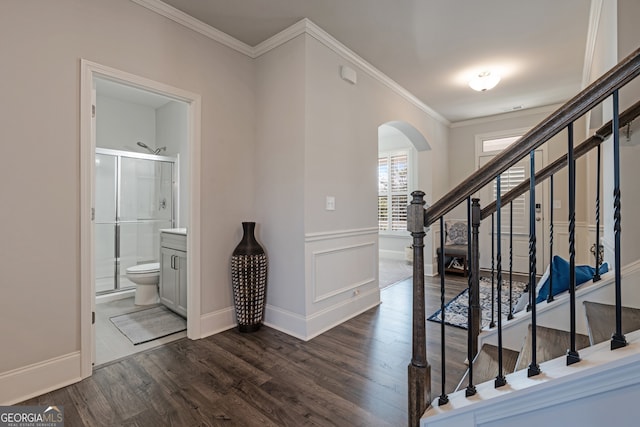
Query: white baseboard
(330, 317)
(39, 378)
(290, 323)
(217, 321)
(308, 327)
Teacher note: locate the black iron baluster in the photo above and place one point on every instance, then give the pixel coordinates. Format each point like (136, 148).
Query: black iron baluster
(500, 379)
(596, 275)
(443, 396)
(572, 353)
(471, 389)
(617, 340)
(534, 368)
(510, 316)
(492, 324)
(550, 296)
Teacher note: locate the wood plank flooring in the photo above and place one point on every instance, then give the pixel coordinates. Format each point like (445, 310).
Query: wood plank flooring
(352, 375)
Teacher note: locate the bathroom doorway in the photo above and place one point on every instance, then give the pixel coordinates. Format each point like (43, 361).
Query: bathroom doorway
(140, 168)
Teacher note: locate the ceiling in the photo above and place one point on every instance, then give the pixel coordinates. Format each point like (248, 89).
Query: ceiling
(433, 47)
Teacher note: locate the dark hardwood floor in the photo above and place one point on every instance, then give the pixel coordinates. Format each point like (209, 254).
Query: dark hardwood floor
(353, 375)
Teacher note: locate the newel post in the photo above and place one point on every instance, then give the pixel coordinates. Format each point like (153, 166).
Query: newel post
(419, 374)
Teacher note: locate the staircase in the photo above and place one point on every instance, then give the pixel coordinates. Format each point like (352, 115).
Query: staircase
(601, 376)
(550, 363)
(551, 343)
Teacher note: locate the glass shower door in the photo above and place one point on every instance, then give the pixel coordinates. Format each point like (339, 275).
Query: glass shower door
(146, 206)
(106, 172)
(134, 200)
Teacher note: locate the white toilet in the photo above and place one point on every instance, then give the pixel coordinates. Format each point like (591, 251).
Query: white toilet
(146, 277)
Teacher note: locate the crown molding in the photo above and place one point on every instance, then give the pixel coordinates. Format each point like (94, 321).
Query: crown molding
(301, 27)
(198, 26)
(592, 35)
(509, 115)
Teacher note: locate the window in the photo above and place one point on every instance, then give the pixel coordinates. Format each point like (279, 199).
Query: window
(393, 191)
(509, 180)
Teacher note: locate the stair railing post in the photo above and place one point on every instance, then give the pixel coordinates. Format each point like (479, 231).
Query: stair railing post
(419, 371)
(492, 324)
(475, 312)
(534, 368)
(500, 378)
(443, 399)
(550, 296)
(617, 340)
(572, 353)
(472, 340)
(510, 315)
(596, 275)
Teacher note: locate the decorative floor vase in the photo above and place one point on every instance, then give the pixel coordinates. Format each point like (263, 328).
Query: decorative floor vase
(249, 280)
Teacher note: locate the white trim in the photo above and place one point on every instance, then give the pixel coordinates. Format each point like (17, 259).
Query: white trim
(339, 234)
(217, 321)
(196, 25)
(330, 317)
(89, 71)
(301, 27)
(329, 41)
(316, 254)
(296, 323)
(39, 378)
(308, 327)
(592, 36)
(508, 115)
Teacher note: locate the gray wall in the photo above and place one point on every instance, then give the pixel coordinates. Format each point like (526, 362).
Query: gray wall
(41, 50)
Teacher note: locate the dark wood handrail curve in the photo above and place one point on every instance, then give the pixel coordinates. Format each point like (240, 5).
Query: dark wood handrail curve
(595, 93)
(590, 143)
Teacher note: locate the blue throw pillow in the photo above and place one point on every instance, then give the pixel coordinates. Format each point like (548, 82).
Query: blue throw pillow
(560, 273)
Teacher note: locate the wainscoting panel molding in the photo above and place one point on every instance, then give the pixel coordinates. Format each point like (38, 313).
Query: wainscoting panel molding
(343, 269)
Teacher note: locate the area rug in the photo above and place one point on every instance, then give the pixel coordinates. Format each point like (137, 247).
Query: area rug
(149, 324)
(456, 310)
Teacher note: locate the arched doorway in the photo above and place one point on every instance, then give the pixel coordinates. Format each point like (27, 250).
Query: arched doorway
(402, 168)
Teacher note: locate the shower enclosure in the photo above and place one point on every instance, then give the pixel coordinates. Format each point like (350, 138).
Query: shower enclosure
(135, 198)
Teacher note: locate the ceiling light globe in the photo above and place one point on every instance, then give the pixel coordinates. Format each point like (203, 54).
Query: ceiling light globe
(484, 81)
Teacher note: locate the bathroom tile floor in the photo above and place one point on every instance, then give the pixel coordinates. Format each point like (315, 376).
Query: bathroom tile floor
(111, 344)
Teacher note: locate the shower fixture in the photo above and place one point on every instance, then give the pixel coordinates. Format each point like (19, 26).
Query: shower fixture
(151, 150)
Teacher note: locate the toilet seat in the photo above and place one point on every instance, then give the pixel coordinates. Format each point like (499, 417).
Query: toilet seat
(153, 267)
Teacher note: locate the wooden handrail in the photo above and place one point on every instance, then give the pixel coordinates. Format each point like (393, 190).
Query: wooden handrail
(590, 143)
(595, 93)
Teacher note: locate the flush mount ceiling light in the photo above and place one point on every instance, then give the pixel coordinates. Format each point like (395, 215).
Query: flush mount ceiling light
(484, 81)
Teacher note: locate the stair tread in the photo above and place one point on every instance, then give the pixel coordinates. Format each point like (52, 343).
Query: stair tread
(601, 320)
(485, 365)
(550, 344)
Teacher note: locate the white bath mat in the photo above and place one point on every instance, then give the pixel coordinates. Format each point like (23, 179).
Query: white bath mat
(149, 324)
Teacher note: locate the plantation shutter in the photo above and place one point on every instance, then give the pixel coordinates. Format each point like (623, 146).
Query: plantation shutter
(393, 188)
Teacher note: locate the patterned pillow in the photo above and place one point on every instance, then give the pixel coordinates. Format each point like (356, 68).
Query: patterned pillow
(456, 233)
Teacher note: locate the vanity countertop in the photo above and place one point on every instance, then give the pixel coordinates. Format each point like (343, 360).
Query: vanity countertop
(182, 231)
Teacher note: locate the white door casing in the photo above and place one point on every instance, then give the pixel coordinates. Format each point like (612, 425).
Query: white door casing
(90, 71)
